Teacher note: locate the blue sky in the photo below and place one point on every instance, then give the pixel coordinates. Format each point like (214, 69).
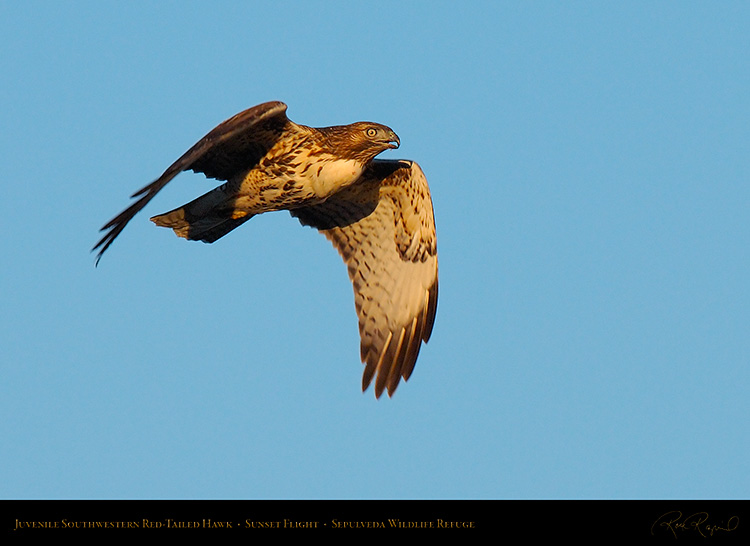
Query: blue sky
(589, 168)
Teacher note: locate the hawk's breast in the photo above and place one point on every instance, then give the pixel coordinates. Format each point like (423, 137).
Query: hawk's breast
(330, 174)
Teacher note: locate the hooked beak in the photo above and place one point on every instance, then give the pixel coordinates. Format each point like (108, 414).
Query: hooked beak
(394, 142)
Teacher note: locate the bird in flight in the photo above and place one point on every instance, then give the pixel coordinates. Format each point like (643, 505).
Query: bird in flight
(377, 213)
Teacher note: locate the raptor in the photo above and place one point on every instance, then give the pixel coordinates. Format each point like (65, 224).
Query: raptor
(377, 213)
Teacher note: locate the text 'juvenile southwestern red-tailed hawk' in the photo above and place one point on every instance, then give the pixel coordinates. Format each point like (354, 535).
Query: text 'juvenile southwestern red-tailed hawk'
(377, 213)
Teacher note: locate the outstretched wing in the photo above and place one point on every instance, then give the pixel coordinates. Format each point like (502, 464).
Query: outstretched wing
(232, 147)
(383, 227)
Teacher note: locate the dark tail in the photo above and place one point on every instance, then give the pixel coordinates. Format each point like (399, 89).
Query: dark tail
(206, 219)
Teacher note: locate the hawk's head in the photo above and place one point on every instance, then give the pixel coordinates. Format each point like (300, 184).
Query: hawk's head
(361, 141)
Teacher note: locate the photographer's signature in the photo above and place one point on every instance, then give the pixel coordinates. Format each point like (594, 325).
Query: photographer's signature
(675, 523)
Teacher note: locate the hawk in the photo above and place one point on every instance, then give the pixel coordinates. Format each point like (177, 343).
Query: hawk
(377, 213)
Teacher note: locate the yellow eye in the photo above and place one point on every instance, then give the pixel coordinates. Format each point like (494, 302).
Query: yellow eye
(371, 132)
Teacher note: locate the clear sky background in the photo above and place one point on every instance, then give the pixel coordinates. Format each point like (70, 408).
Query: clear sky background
(589, 165)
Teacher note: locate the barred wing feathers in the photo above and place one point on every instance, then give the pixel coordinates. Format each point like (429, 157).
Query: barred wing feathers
(383, 227)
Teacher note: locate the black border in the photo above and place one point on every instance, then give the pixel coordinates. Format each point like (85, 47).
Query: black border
(659, 520)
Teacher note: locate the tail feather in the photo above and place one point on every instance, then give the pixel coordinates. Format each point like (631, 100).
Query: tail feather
(207, 218)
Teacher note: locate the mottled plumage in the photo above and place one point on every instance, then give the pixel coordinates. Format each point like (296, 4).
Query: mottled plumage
(377, 213)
